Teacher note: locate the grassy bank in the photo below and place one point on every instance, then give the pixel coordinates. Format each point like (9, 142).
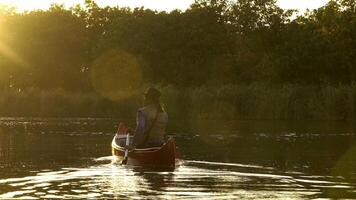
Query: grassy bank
(290, 102)
(60, 103)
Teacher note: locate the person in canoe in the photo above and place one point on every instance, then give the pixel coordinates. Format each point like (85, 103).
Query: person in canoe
(151, 122)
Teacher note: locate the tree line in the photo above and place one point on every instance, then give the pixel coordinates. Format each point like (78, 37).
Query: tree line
(214, 42)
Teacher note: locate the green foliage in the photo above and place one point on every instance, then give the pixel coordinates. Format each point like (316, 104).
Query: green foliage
(40, 49)
(260, 102)
(227, 102)
(60, 103)
(213, 44)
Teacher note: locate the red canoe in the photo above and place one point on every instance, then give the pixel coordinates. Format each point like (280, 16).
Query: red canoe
(157, 157)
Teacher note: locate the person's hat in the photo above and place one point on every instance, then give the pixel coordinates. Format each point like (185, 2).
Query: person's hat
(152, 93)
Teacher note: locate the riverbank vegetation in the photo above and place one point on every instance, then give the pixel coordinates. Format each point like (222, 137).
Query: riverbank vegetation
(218, 59)
(228, 102)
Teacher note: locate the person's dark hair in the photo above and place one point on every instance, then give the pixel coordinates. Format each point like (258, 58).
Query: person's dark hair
(152, 96)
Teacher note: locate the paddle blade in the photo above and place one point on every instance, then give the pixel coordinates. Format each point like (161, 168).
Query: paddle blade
(121, 129)
(124, 161)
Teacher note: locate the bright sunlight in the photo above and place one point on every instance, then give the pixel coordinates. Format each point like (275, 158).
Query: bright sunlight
(177, 99)
(168, 5)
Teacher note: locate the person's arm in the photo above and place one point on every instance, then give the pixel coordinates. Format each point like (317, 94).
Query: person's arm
(140, 128)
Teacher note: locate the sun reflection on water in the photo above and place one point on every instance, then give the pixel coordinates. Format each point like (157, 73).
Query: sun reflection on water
(193, 179)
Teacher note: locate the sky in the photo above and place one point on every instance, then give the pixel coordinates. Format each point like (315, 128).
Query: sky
(159, 5)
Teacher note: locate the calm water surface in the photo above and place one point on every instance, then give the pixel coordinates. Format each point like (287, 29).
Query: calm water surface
(71, 158)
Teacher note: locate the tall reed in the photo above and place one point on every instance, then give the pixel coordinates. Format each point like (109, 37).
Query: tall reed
(260, 102)
(255, 101)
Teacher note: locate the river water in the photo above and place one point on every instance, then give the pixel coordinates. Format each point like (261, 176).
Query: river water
(71, 158)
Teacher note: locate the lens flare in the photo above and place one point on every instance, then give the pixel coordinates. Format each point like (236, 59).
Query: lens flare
(344, 167)
(346, 164)
(6, 51)
(116, 75)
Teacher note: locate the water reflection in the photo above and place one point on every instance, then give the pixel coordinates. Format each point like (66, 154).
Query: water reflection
(69, 159)
(194, 179)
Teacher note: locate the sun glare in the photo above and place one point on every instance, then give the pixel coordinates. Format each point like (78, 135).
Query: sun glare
(168, 5)
(301, 5)
(27, 5)
(23, 5)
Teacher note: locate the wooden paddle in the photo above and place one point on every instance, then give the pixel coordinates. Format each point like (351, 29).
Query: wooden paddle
(126, 157)
(122, 130)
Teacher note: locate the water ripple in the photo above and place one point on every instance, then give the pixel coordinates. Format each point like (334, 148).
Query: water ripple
(193, 179)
